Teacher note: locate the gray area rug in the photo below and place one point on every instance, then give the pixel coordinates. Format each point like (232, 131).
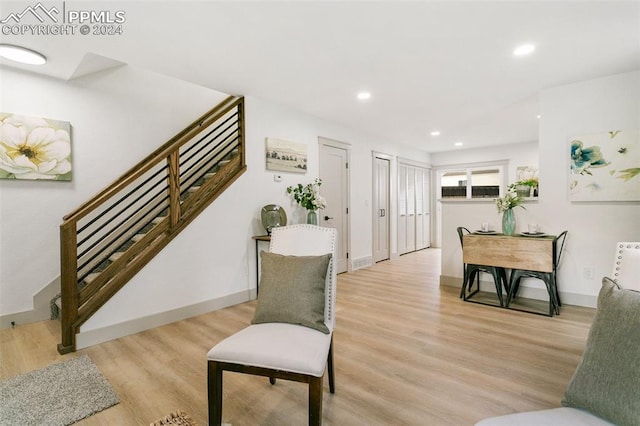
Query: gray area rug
(60, 394)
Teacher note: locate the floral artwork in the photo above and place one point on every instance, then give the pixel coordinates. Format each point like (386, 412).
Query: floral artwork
(285, 156)
(606, 167)
(34, 148)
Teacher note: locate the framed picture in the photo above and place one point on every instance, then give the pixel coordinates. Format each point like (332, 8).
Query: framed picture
(286, 156)
(605, 166)
(34, 148)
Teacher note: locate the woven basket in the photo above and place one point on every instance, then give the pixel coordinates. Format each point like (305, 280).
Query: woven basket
(178, 418)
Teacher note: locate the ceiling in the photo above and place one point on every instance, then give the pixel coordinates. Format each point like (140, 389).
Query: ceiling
(445, 66)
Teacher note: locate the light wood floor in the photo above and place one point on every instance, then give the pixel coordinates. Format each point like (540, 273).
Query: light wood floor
(407, 352)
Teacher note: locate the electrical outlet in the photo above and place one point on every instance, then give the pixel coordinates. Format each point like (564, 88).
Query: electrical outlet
(277, 178)
(588, 273)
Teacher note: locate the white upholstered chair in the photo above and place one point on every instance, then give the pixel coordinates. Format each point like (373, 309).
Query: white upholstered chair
(281, 350)
(626, 265)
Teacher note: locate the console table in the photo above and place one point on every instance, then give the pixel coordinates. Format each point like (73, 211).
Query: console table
(257, 239)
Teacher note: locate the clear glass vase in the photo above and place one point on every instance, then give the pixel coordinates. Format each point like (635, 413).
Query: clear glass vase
(312, 217)
(508, 222)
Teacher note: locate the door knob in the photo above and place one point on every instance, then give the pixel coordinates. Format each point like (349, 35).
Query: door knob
(327, 218)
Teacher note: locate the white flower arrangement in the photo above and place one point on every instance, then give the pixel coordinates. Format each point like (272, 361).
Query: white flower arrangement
(308, 196)
(510, 200)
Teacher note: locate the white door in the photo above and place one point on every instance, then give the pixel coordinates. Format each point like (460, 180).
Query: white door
(411, 209)
(420, 211)
(402, 209)
(334, 173)
(414, 229)
(426, 200)
(381, 176)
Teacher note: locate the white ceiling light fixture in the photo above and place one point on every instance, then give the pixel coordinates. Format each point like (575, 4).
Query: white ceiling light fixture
(364, 96)
(435, 133)
(458, 144)
(22, 54)
(524, 50)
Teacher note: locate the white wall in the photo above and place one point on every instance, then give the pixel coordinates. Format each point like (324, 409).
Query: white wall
(117, 117)
(596, 106)
(120, 116)
(593, 106)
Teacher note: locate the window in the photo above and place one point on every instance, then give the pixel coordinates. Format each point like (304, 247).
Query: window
(472, 181)
(485, 183)
(454, 184)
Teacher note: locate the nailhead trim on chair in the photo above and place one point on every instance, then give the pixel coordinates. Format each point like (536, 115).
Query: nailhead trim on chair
(621, 250)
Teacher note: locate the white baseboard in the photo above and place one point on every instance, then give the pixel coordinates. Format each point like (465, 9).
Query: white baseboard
(566, 298)
(115, 331)
(41, 309)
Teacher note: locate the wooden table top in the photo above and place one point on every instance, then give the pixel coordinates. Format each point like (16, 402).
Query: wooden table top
(513, 252)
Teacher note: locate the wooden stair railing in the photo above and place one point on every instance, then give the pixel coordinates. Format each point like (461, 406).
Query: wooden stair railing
(111, 237)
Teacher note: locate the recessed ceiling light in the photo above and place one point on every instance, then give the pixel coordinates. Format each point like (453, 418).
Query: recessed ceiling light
(435, 133)
(21, 54)
(538, 116)
(458, 144)
(363, 96)
(523, 50)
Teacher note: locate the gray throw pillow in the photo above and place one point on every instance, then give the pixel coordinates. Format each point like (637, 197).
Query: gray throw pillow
(607, 380)
(292, 290)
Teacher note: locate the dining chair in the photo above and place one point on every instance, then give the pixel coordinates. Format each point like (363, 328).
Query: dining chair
(626, 265)
(549, 278)
(471, 273)
(291, 335)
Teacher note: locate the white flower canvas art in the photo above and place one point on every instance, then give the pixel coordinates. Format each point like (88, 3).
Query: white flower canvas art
(34, 148)
(605, 166)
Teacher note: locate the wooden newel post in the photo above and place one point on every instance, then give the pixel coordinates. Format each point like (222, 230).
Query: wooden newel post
(173, 178)
(68, 286)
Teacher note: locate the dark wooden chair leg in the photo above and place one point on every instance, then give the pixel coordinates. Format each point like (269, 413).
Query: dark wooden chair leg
(214, 384)
(315, 401)
(332, 387)
(272, 380)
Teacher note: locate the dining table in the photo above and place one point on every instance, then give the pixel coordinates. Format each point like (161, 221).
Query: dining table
(530, 252)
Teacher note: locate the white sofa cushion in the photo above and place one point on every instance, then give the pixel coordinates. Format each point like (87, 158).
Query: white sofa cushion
(276, 346)
(563, 416)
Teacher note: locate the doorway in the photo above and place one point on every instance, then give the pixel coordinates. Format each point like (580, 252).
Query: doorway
(334, 172)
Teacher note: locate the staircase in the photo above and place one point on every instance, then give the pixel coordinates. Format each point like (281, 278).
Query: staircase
(111, 237)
